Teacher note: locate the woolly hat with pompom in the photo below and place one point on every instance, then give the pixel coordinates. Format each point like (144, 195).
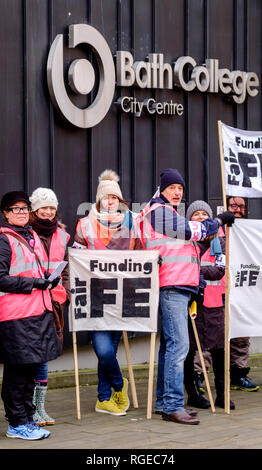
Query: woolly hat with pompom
(108, 184)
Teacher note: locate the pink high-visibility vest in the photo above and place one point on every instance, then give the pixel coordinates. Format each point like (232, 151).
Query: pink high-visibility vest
(57, 251)
(214, 289)
(25, 264)
(180, 258)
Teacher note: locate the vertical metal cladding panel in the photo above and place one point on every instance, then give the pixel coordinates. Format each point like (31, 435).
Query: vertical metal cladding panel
(143, 126)
(70, 146)
(13, 165)
(240, 56)
(105, 144)
(170, 136)
(124, 123)
(219, 34)
(254, 63)
(254, 60)
(36, 103)
(195, 29)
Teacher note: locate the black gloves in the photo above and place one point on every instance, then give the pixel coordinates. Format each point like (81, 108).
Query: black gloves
(226, 217)
(41, 284)
(55, 282)
(201, 291)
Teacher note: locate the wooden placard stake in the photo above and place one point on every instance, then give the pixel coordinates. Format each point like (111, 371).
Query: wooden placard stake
(151, 375)
(227, 279)
(76, 376)
(130, 369)
(193, 311)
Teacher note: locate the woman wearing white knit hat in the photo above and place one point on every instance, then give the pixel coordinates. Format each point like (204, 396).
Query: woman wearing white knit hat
(45, 221)
(109, 225)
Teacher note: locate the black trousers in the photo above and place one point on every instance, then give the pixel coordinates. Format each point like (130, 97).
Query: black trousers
(17, 392)
(218, 368)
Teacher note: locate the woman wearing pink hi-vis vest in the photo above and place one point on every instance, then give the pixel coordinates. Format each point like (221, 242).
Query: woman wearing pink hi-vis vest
(210, 320)
(46, 223)
(27, 332)
(165, 230)
(109, 226)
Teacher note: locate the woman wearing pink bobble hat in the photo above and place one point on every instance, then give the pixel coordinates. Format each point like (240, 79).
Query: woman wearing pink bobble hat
(45, 222)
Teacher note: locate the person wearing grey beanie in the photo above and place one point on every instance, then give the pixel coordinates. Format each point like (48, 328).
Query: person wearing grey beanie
(199, 206)
(210, 312)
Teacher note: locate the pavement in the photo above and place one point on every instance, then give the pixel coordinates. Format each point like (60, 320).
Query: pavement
(241, 429)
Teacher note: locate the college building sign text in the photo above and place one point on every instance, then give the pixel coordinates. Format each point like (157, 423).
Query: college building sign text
(151, 73)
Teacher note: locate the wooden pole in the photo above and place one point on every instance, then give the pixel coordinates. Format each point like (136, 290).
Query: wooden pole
(130, 369)
(227, 340)
(151, 375)
(222, 164)
(227, 280)
(76, 376)
(193, 312)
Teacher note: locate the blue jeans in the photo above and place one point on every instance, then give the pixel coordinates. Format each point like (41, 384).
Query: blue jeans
(174, 346)
(105, 344)
(42, 372)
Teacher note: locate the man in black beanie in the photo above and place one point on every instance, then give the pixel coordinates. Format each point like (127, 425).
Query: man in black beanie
(165, 230)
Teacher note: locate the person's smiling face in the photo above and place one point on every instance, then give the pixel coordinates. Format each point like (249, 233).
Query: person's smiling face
(17, 214)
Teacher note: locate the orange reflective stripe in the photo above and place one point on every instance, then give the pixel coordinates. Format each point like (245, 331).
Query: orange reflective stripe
(88, 227)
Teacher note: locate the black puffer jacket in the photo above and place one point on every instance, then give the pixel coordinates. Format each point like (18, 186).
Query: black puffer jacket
(28, 340)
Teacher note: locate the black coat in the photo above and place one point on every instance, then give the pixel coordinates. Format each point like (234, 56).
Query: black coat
(28, 340)
(210, 322)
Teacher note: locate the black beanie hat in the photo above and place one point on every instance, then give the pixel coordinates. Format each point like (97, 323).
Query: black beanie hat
(10, 198)
(170, 176)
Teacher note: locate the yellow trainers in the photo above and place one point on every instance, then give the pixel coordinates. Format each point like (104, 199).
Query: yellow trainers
(121, 398)
(109, 406)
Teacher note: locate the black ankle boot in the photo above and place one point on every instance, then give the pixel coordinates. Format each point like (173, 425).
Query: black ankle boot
(220, 402)
(198, 401)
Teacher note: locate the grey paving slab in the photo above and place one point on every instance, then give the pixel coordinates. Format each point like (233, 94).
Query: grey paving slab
(242, 429)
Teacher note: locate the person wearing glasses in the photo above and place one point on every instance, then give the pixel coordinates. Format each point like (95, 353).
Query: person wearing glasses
(239, 347)
(27, 332)
(237, 205)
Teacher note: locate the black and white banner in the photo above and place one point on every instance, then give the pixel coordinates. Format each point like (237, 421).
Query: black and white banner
(242, 151)
(113, 290)
(245, 265)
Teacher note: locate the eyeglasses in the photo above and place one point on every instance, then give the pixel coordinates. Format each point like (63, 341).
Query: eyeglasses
(238, 206)
(17, 210)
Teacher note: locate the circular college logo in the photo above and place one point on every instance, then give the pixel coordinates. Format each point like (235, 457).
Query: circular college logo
(81, 76)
